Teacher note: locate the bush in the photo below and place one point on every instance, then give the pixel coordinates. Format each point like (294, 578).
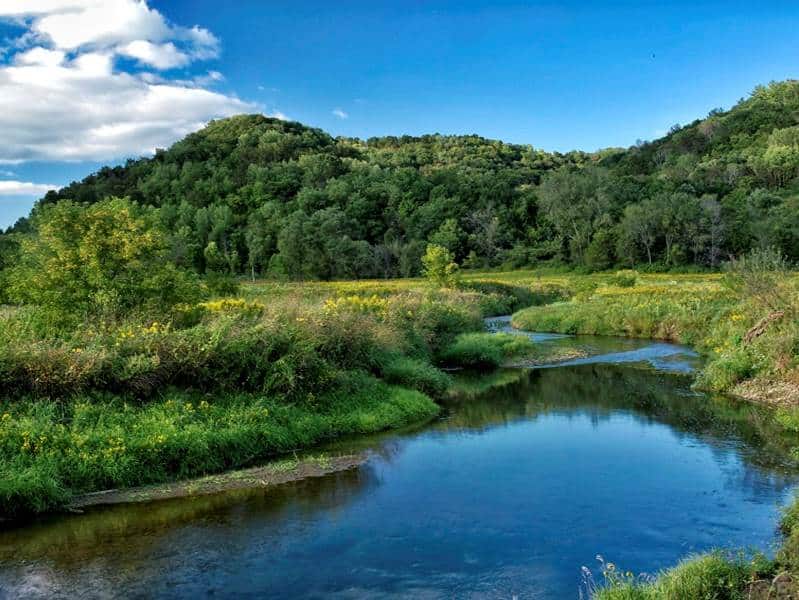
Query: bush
(761, 276)
(439, 266)
(103, 259)
(221, 284)
(624, 279)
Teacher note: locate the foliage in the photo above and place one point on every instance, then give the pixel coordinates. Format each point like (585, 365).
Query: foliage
(713, 576)
(51, 451)
(439, 267)
(105, 258)
(221, 284)
(625, 279)
(761, 276)
(265, 197)
(415, 374)
(484, 350)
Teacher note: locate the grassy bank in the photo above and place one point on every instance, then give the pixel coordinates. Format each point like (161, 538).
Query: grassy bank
(748, 351)
(220, 384)
(55, 450)
(716, 575)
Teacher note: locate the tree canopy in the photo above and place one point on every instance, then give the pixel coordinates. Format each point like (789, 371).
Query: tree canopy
(260, 196)
(102, 259)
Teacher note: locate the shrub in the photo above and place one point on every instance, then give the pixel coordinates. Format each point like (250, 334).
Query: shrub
(761, 276)
(624, 279)
(439, 266)
(100, 259)
(221, 284)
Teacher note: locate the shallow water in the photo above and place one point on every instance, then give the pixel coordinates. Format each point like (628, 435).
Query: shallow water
(511, 492)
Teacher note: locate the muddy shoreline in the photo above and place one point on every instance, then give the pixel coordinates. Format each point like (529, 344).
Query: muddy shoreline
(274, 473)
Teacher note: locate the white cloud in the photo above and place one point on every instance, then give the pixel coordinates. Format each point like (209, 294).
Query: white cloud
(160, 56)
(64, 97)
(40, 56)
(276, 114)
(105, 24)
(25, 188)
(340, 113)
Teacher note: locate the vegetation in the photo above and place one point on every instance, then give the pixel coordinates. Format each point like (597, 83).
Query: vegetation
(744, 322)
(105, 259)
(439, 266)
(131, 352)
(132, 383)
(272, 198)
(708, 577)
(51, 450)
(485, 350)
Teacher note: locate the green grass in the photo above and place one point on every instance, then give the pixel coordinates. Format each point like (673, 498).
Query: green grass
(50, 451)
(87, 409)
(713, 576)
(484, 350)
(416, 374)
(695, 310)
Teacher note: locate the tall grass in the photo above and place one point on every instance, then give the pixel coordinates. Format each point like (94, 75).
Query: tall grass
(251, 377)
(484, 350)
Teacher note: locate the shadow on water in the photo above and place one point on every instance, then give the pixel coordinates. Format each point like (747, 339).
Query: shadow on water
(526, 477)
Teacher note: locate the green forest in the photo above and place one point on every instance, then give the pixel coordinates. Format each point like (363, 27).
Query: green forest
(269, 198)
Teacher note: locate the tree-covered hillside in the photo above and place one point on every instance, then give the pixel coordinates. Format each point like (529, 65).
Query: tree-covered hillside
(262, 196)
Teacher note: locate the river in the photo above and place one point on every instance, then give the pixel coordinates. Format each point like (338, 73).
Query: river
(527, 477)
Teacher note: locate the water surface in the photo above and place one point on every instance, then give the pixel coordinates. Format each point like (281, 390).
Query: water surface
(509, 493)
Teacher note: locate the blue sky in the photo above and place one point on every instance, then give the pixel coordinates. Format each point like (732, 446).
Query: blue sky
(557, 75)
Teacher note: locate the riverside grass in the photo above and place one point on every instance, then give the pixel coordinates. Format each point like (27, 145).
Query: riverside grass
(696, 310)
(97, 442)
(220, 384)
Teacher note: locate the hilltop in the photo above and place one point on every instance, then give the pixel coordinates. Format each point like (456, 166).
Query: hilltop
(269, 197)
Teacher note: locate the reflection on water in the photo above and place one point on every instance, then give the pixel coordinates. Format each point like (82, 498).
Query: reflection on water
(510, 492)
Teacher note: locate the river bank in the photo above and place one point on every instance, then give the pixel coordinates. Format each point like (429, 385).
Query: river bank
(453, 500)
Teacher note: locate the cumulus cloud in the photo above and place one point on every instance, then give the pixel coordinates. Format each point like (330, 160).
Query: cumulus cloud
(65, 96)
(337, 112)
(24, 188)
(160, 56)
(105, 24)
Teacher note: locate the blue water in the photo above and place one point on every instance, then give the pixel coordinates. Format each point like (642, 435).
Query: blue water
(510, 493)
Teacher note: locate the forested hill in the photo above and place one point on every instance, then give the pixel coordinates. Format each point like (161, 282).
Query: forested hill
(258, 195)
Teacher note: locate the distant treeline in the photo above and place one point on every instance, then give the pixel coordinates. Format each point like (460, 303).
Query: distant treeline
(265, 197)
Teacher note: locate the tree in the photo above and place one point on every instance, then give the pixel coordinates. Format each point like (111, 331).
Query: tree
(439, 266)
(485, 232)
(449, 235)
(101, 259)
(640, 224)
(572, 201)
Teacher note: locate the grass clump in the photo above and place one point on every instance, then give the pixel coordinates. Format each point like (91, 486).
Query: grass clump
(416, 374)
(713, 576)
(624, 279)
(484, 350)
